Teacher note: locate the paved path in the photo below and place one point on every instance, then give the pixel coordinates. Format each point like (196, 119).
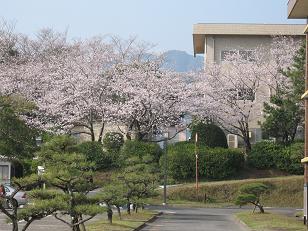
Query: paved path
(48, 223)
(195, 220)
(200, 219)
(179, 219)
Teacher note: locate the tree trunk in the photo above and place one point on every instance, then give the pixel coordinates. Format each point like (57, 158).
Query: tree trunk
(15, 225)
(109, 215)
(82, 225)
(136, 208)
(119, 212)
(75, 221)
(246, 143)
(128, 208)
(100, 136)
(92, 133)
(261, 208)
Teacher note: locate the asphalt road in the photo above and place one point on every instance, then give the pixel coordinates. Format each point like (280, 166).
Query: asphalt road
(179, 219)
(194, 220)
(199, 219)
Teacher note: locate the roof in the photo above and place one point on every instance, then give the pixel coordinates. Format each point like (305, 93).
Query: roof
(200, 30)
(297, 9)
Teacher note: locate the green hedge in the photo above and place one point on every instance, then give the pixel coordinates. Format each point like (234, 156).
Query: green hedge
(267, 154)
(214, 163)
(133, 148)
(221, 163)
(209, 134)
(93, 150)
(262, 154)
(113, 141)
(289, 159)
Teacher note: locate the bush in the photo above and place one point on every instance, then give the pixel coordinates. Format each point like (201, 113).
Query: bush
(289, 159)
(250, 193)
(133, 148)
(209, 135)
(94, 153)
(221, 163)
(181, 160)
(262, 155)
(214, 163)
(113, 141)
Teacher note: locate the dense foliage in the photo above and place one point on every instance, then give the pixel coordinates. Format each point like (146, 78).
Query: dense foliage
(262, 155)
(209, 134)
(250, 194)
(140, 149)
(289, 159)
(285, 111)
(93, 150)
(113, 141)
(214, 163)
(17, 140)
(265, 155)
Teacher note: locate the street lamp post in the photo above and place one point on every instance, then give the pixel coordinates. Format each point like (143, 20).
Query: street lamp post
(196, 154)
(166, 136)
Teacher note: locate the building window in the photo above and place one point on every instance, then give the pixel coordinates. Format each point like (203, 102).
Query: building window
(242, 94)
(247, 55)
(4, 172)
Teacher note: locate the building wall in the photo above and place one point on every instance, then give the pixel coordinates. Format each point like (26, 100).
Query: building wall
(5, 172)
(215, 44)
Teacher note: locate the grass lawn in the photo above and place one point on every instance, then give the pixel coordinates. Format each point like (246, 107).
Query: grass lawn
(128, 222)
(284, 191)
(271, 222)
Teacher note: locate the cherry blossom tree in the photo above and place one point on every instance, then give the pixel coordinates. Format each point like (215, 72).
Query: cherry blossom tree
(69, 83)
(79, 85)
(232, 93)
(152, 98)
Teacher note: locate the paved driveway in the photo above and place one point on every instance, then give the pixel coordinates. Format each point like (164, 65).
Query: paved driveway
(48, 223)
(195, 220)
(179, 219)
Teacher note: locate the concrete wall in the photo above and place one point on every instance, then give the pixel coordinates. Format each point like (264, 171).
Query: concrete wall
(215, 44)
(5, 172)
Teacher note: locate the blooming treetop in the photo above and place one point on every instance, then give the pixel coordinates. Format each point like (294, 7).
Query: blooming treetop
(232, 92)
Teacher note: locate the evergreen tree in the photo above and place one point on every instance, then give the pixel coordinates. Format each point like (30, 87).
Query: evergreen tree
(285, 112)
(17, 140)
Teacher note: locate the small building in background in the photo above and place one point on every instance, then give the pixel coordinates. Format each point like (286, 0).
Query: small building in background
(215, 41)
(7, 170)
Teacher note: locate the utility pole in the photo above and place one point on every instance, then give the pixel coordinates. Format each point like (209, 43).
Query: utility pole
(306, 138)
(196, 154)
(166, 136)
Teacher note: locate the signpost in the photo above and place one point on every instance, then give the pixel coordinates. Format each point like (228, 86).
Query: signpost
(196, 154)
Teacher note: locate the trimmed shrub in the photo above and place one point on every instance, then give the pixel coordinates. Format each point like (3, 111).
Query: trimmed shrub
(262, 155)
(214, 163)
(250, 194)
(221, 163)
(289, 159)
(181, 160)
(113, 141)
(133, 148)
(209, 135)
(93, 150)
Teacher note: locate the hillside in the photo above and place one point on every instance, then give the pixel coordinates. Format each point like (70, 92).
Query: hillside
(181, 61)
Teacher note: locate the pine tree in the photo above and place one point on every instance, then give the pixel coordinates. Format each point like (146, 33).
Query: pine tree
(285, 112)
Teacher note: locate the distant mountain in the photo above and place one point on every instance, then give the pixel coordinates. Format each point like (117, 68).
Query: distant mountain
(181, 61)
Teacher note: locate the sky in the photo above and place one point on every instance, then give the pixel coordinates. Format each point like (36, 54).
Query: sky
(165, 23)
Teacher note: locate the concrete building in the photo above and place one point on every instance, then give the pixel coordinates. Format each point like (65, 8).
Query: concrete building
(299, 9)
(215, 41)
(6, 170)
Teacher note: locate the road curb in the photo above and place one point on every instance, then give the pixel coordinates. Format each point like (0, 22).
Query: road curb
(152, 219)
(243, 225)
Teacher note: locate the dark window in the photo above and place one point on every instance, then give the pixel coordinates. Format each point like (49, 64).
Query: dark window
(242, 94)
(245, 54)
